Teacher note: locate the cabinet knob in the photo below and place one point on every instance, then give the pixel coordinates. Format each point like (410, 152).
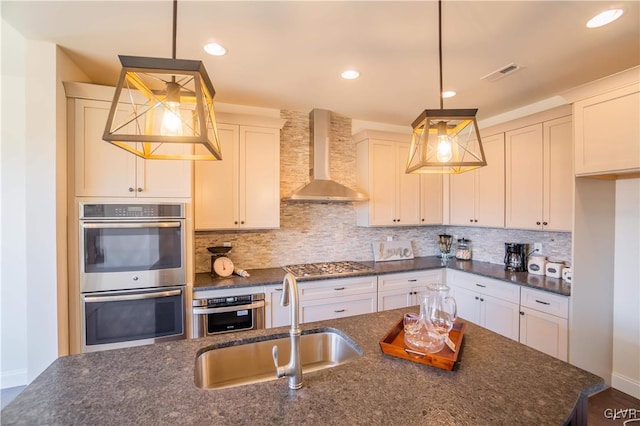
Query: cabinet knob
(544, 223)
(475, 220)
(481, 299)
(235, 222)
(538, 223)
(242, 222)
(521, 313)
(398, 220)
(131, 189)
(471, 220)
(139, 189)
(422, 220)
(477, 298)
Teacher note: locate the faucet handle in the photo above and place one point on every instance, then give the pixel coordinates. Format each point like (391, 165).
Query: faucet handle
(274, 353)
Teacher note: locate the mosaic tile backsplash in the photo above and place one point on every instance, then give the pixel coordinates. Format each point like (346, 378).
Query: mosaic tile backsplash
(319, 232)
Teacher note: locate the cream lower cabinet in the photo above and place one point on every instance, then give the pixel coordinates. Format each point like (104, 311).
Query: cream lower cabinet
(489, 303)
(607, 131)
(539, 176)
(242, 191)
(275, 315)
(105, 170)
(544, 322)
(337, 298)
(402, 289)
(394, 196)
(477, 197)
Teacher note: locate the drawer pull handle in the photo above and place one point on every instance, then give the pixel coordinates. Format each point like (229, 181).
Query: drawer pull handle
(412, 281)
(337, 311)
(543, 302)
(481, 285)
(339, 288)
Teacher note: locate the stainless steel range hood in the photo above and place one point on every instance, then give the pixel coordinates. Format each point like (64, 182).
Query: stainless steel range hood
(321, 188)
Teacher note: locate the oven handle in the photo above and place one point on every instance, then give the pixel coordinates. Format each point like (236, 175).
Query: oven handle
(137, 296)
(111, 225)
(223, 309)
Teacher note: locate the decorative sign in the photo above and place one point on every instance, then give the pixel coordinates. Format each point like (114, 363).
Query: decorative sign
(392, 250)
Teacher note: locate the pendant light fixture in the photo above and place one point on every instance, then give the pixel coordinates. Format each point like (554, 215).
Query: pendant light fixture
(160, 105)
(445, 140)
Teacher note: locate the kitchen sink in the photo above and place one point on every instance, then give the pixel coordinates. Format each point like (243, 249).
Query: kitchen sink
(249, 363)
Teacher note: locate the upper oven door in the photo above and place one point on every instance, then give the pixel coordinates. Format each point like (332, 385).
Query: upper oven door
(119, 255)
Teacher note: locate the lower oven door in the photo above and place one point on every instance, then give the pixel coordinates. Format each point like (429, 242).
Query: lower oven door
(118, 319)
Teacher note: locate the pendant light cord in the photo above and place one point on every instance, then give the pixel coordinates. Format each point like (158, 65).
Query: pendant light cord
(175, 27)
(439, 49)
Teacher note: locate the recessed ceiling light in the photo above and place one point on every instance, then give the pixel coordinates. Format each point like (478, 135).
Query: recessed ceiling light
(604, 18)
(215, 49)
(448, 94)
(350, 74)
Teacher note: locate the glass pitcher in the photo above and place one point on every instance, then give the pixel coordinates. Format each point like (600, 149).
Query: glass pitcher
(439, 308)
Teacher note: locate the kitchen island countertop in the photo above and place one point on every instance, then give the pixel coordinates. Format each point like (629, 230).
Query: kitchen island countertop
(497, 381)
(266, 276)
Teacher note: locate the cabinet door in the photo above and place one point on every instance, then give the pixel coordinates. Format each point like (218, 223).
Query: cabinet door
(165, 178)
(500, 316)
(544, 332)
(431, 199)
(490, 185)
(101, 169)
(462, 198)
(558, 175)
(216, 184)
(382, 190)
(607, 131)
(524, 181)
(394, 299)
(408, 191)
(468, 303)
(275, 315)
(259, 169)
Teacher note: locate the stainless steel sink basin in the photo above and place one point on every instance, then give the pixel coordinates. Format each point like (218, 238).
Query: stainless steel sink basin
(253, 362)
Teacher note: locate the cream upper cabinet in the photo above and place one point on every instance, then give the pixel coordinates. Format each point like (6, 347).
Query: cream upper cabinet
(431, 199)
(477, 197)
(539, 176)
(242, 191)
(394, 196)
(607, 132)
(104, 170)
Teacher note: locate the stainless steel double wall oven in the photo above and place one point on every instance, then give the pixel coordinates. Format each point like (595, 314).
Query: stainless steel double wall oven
(132, 274)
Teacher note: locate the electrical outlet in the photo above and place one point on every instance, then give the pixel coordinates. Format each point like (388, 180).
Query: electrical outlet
(537, 247)
(226, 244)
(389, 238)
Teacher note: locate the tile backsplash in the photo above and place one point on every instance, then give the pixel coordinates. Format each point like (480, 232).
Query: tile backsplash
(317, 232)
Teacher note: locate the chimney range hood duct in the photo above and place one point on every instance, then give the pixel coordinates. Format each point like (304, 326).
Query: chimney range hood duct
(321, 188)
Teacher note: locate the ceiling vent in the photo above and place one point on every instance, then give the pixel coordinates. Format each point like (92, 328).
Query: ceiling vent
(502, 72)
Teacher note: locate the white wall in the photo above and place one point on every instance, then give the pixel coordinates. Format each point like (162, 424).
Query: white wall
(13, 252)
(626, 293)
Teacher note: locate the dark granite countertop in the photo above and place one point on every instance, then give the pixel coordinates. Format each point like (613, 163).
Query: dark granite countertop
(204, 281)
(498, 381)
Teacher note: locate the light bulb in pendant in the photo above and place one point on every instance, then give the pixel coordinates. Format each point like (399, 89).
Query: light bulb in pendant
(171, 121)
(444, 151)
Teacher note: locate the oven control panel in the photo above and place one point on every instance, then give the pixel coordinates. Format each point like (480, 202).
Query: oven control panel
(111, 211)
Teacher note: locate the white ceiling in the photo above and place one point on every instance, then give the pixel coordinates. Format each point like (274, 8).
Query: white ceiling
(289, 55)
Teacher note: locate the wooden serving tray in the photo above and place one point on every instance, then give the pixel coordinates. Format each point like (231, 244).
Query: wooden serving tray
(393, 344)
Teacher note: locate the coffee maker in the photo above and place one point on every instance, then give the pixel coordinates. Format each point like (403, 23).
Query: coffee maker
(515, 257)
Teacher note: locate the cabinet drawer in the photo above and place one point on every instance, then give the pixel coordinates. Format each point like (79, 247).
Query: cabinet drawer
(544, 301)
(323, 309)
(322, 289)
(488, 286)
(409, 279)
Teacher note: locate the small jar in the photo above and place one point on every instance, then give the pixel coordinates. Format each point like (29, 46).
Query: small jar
(463, 249)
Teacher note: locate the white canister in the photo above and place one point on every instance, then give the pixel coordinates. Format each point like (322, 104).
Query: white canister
(567, 274)
(553, 269)
(536, 264)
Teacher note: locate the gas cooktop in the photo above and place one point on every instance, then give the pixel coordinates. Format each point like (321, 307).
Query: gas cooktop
(327, 269)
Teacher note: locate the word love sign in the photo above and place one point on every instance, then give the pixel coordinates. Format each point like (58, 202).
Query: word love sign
(392, 250)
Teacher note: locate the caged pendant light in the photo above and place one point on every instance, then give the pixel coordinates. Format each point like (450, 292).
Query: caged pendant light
(160, 105)
(445, 140)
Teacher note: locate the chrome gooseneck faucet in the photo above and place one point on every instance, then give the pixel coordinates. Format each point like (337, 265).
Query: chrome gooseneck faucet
(293, 370)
